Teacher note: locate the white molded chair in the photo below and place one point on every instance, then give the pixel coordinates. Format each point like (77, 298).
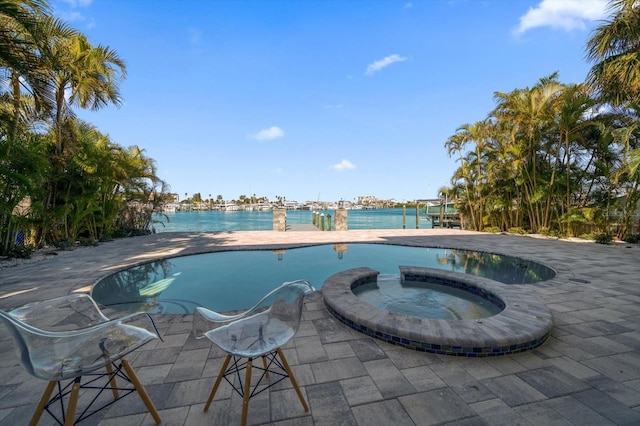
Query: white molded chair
(67, 339)
(259, 332)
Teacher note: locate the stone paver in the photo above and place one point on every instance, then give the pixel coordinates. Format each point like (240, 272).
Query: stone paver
(587, 372)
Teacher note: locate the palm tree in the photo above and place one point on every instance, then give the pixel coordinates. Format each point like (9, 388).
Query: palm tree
(21, 36)
(634, 162)
(614, 48)
(80, 182)
(25, 57)
(456, 144)
(627, 136)
(573, 117)
(528, 115)
(477, 133)
(83, 76)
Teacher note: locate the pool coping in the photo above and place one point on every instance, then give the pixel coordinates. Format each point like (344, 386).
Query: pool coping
(524, 323)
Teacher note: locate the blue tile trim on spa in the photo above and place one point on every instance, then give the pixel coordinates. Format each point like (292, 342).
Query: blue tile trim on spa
(524, 323)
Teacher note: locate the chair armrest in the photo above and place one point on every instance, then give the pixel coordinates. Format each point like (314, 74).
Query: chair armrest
(134, 318)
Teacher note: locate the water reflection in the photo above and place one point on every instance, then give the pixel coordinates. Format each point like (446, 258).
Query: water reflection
(506, 269)
(340, 249)
(139, 288)
(280, 253)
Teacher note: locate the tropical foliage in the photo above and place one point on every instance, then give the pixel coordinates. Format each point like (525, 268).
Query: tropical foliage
(560, 158)
(61, 179)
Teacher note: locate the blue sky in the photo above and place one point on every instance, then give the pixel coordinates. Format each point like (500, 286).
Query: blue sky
(323, 100)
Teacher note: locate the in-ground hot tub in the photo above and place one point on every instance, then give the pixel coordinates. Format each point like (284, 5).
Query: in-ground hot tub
(427, 299)
(524, 322)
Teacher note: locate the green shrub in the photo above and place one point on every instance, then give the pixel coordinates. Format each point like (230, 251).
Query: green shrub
(130, 232)
(20, 251)
(556, 233)
(604, 238)
(492, 229)
(633, 239)
(549, 232)
(518, 230)
(64, 244)
(589, 236)
(87, 242)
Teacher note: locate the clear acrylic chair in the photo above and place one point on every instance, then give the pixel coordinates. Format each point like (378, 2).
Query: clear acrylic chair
(66, 341)
(259, 332)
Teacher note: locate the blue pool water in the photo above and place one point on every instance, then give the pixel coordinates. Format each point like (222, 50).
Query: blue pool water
(234, 280)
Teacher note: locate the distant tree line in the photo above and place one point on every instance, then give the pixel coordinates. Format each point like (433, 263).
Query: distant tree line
(61, 179)
(559, 158)
(196, 198)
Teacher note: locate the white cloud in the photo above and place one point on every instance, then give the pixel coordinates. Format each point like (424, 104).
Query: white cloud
(269, 134)
(77, 3)
(333, 106)
(567, 15)
(71, 16)
(382, 63)
(343, 165)
(69, 11)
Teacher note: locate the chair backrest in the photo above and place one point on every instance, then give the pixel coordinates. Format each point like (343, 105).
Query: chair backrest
(288, 291)
(267, 325)
(68, 336)
(284, 303)
(30, 323)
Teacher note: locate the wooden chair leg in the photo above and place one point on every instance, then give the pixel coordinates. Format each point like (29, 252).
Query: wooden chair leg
(112, 381)
(246, 394)
(217, 383)
(73, 402)
(293, 379)
(141, 391)
(43, 402)
(264, 364)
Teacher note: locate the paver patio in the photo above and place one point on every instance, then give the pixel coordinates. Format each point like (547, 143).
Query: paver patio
(587, 373)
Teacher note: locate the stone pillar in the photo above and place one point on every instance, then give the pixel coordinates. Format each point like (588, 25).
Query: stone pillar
(279, 220)
(340, 220)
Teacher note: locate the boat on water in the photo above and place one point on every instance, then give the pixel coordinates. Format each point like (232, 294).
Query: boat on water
(230, 207)
(171, 207)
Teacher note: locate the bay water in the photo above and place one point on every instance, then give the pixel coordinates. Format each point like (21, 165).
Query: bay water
(213, 220)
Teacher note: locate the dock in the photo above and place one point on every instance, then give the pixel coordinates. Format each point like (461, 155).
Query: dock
(443, 215)
(301, 227)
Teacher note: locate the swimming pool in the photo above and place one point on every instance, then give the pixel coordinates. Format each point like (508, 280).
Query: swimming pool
(232, 280)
